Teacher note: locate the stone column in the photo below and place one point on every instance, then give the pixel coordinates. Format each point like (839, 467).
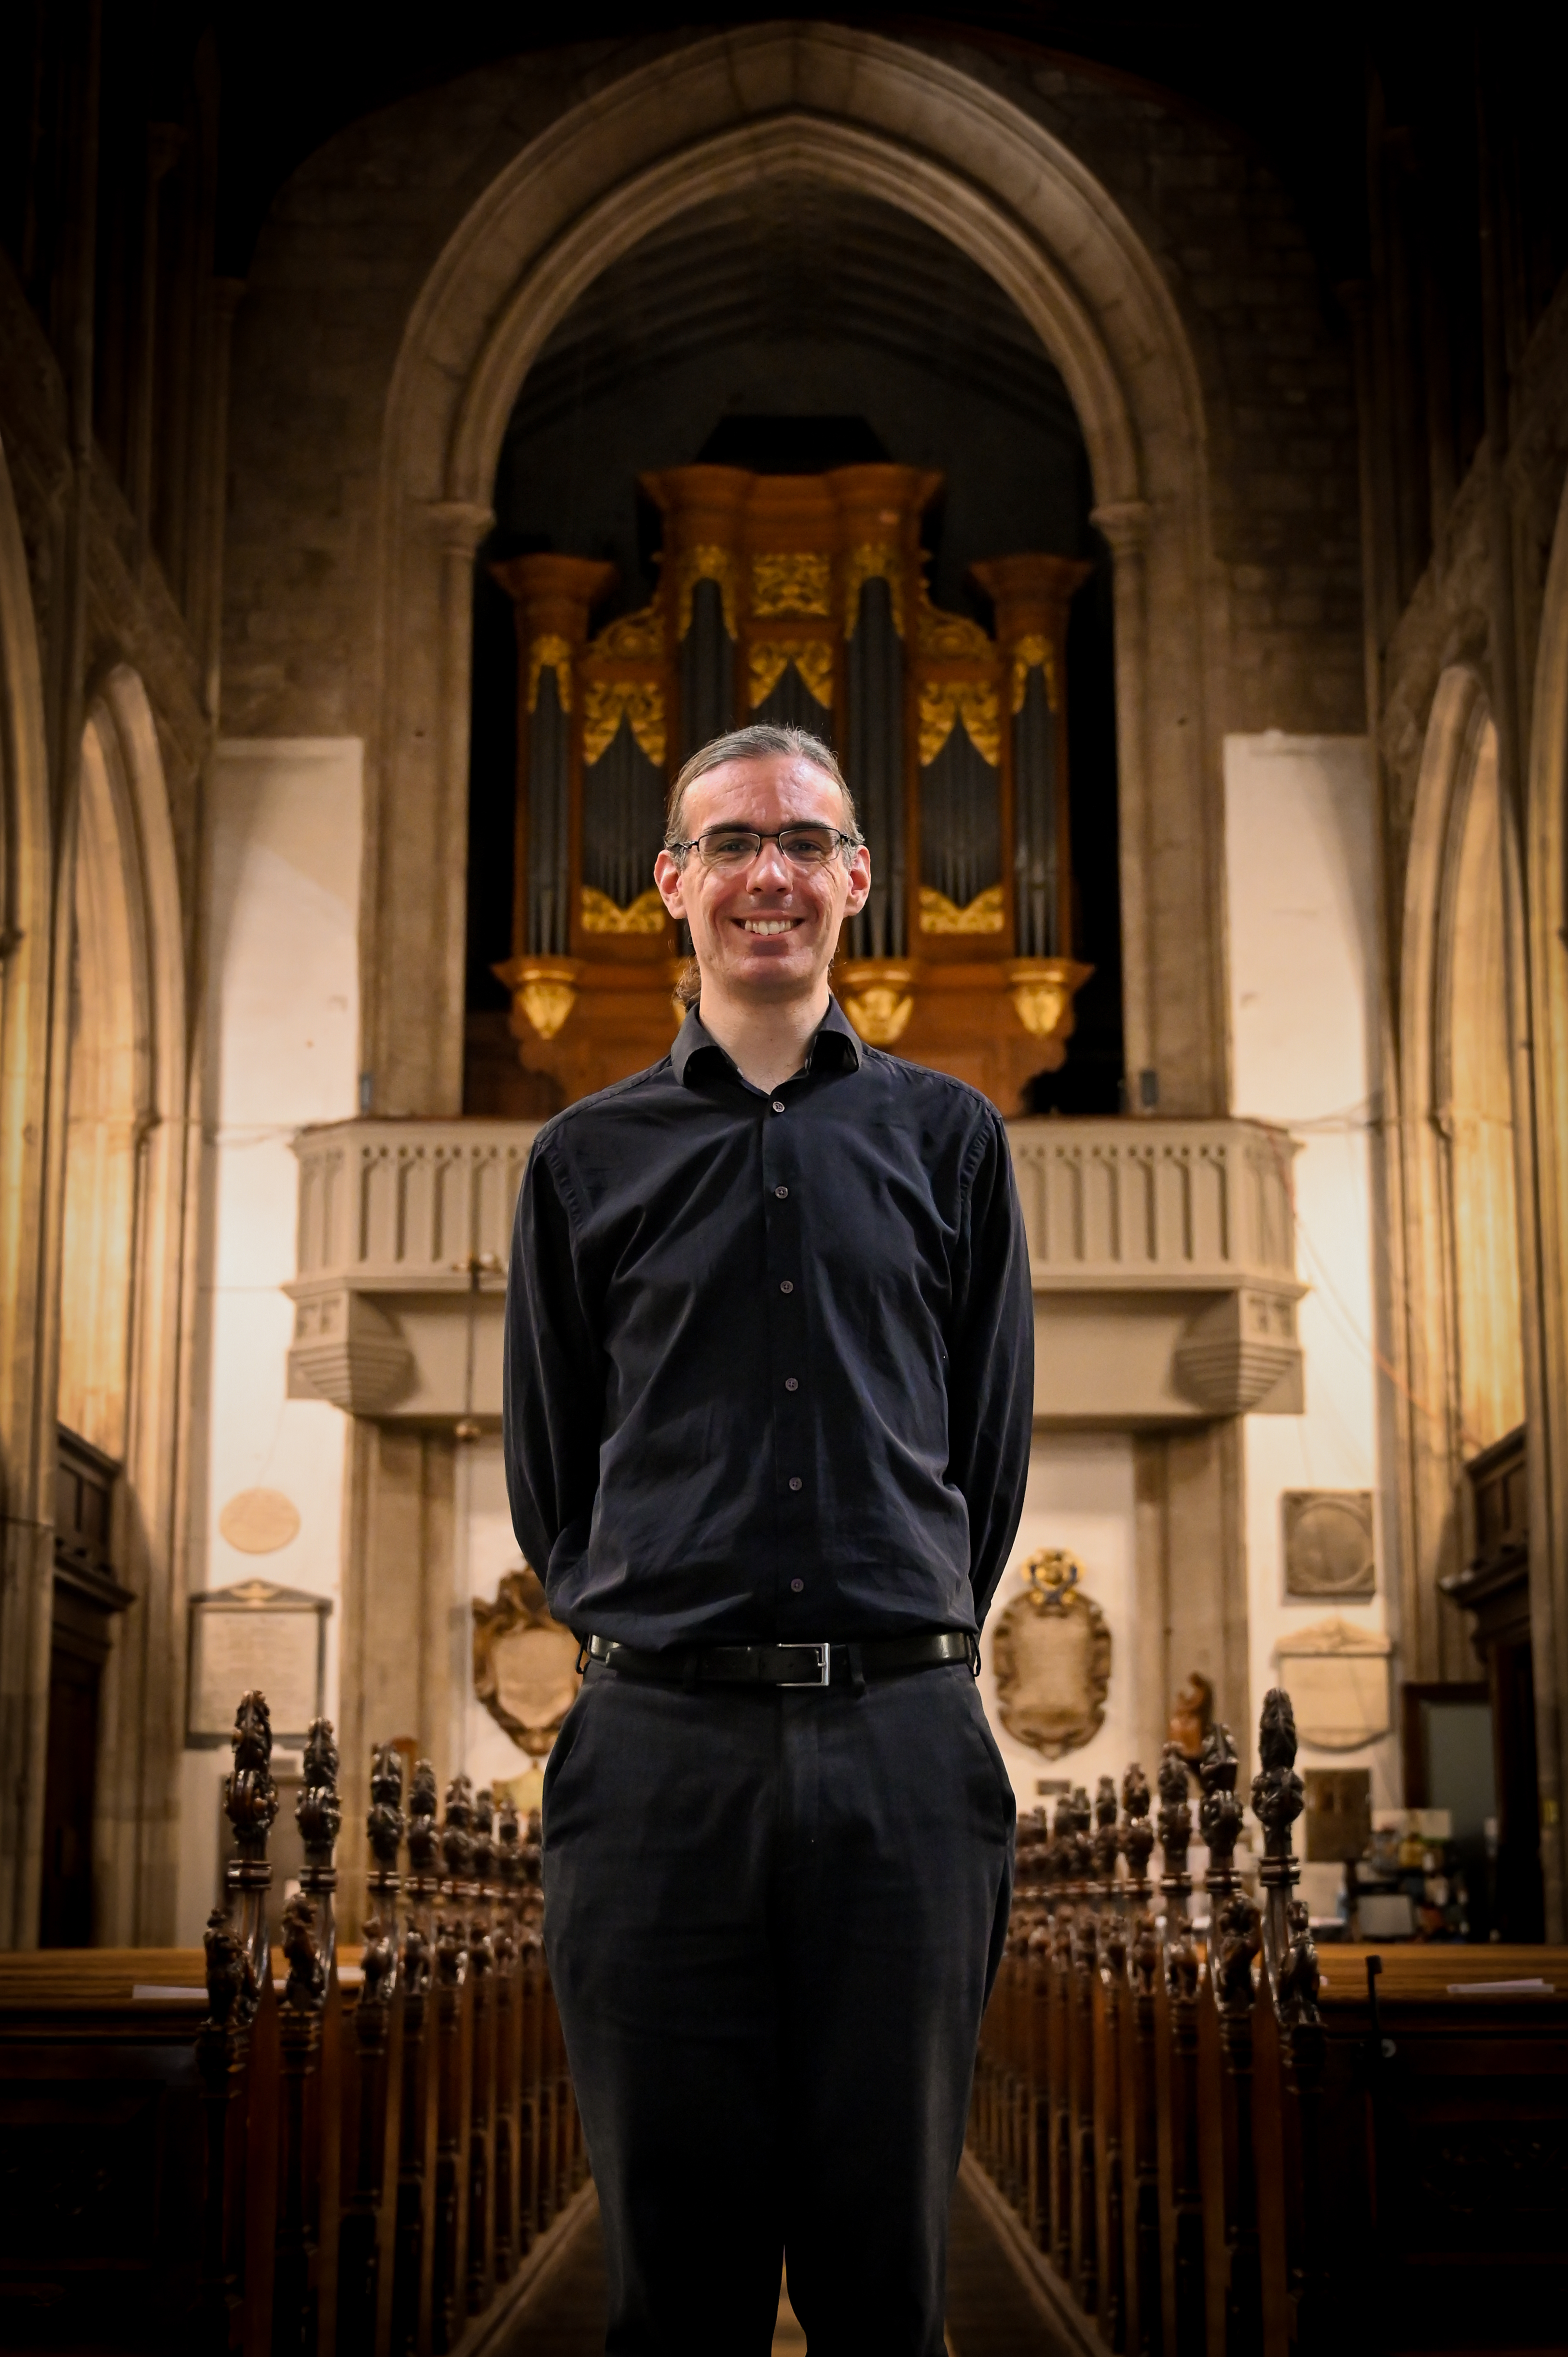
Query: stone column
(1125, 524)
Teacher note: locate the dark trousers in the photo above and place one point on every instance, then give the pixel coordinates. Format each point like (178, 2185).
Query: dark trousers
(773, 1917)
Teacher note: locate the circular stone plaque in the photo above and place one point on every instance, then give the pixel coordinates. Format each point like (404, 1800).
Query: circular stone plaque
(259, 1521)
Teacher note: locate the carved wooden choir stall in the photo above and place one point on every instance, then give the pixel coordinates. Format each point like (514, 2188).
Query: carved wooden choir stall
(287, 2145)
(799, 599)
(1201, 2142)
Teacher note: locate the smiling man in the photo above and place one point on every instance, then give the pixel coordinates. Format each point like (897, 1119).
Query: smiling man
(769, 1400)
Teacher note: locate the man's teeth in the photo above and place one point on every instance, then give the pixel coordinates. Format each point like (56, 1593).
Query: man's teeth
(771, 924)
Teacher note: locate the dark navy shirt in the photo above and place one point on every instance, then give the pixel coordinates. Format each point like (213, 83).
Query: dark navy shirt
(769, 1357)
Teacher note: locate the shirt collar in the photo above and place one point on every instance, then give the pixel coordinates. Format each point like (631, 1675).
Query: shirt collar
(834, 1041)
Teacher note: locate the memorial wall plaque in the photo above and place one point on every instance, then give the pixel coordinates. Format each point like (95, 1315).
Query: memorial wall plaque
(525, 1662)
(255, 1635)
(1328, 1542)
(1337, 1678)
(1051, 1650)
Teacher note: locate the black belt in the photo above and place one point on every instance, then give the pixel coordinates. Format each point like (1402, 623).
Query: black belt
(815, 1664)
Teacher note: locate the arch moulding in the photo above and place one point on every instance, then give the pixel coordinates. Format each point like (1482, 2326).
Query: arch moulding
(863, 114)
(1544, 1194)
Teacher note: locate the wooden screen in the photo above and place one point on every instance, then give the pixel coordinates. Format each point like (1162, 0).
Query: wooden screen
(799, 599)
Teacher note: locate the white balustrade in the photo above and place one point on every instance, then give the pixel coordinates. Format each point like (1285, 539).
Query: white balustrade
(1162, 1255)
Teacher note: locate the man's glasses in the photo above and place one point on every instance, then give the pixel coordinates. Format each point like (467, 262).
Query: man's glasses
(738, 846)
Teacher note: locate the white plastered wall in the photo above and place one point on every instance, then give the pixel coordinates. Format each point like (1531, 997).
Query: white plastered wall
(281, 1050)
(1080, 1496)
(1300, 873)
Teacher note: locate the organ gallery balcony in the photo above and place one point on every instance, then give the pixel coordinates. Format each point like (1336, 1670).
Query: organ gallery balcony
(1162, 1253)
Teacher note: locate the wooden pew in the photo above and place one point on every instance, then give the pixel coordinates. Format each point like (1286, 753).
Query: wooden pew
(254, 2149)
(1223, 2145)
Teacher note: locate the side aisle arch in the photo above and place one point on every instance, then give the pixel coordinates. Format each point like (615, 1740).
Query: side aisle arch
(126, 1163)
(1545, 1221)
(26, 1454)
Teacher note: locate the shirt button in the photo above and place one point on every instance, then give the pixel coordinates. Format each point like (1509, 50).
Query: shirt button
(778, 1104)
(785, 1286)
(794, 1481)
(781, 1192)
(791, 1383)
(797, 1584)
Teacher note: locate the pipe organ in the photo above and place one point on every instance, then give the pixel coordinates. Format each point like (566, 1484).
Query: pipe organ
(801, 601)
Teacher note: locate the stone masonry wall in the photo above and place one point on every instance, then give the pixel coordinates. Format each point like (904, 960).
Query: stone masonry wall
(354, 233)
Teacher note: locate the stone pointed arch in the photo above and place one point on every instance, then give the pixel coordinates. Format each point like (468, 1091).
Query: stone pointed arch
(121, 1270)
(1461, 986)
(26, 1451)
(1545, 1192)
(867, 114)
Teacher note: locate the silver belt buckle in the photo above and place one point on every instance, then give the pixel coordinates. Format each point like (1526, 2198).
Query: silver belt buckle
(823, 1648)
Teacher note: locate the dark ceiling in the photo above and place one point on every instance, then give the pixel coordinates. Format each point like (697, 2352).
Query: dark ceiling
(1290, 81)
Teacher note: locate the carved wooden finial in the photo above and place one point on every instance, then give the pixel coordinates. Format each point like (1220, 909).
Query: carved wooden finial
(384, 1826)
(1176, 1825)
(424, 1839)
(1220, 1813)
(457, 1833)
(1106, 1848)
(250, 1795)
(1278, 1799)
(318, 1811)
(1137, 1832)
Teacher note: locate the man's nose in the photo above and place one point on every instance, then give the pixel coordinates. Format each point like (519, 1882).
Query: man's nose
(770, 871)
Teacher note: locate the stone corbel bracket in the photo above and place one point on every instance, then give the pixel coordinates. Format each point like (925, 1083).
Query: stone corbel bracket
(349, 1349)
(1240, 1354)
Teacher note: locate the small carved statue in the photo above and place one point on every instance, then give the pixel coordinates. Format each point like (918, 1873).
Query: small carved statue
(305, 1987)
(379, 1962)
(1146, 1955)
(1239, 1936)
(1181, 1968)
(231, 1975)
(1192, 1716)
(416, 1961)
(1299, 1973)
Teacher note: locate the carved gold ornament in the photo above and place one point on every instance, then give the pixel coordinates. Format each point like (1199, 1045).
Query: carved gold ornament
(1051, 1650)
(873, 561)
(525, 1662)
(706, 563)
(877, 999)
(635, 638)
(1033, 652)
(770, 657)
(550, 652)
(944, 702)
(794, 581)
(950, 635)
(1042, 991)
(600, 914)
(985, 913)
(541, 993)
(607, 702)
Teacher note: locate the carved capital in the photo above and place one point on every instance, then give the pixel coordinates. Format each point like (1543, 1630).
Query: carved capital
(1125, 524)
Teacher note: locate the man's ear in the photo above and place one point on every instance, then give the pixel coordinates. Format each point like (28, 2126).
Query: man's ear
(668, 876)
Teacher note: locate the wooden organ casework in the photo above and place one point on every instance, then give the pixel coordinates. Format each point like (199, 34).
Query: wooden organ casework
(799, 599)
